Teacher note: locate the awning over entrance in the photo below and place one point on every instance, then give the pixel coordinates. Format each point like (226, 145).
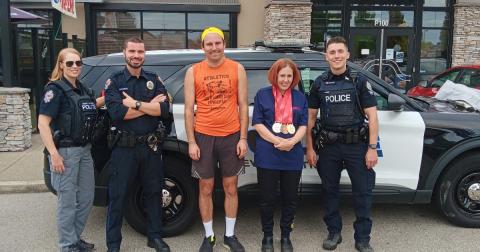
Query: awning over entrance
(21, 16)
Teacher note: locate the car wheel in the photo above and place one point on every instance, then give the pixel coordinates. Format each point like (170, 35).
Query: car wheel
(458, 194)
(179, 200)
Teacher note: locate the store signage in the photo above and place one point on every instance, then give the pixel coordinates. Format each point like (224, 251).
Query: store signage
(66, 7)
(381, 22)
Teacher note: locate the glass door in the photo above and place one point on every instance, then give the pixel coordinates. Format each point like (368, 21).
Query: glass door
(366, 49)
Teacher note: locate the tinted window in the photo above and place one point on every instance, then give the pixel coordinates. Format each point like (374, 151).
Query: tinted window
(470, 77)
(440, 80)
(90, 77)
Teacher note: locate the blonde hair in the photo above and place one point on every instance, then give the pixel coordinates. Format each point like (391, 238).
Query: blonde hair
(57, 72)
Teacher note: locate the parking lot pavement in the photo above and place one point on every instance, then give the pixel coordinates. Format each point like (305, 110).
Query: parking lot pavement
(27, 223)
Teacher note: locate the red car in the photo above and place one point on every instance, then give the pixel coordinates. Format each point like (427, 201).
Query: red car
(466, 75)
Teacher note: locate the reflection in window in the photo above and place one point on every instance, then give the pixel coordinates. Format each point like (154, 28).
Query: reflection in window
(382, 18)
(434, 43)
(197, 21)
(109, 41)
(325, 24)
(435, 19)
(159, 20)
(158, 40)
(195, 40)
(159, 30)
(436, 3)
(119, 20)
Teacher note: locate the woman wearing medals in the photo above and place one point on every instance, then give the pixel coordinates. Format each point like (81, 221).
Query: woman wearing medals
(280, 118)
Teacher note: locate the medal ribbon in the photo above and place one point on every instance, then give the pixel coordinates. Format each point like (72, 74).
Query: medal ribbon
(283, 105)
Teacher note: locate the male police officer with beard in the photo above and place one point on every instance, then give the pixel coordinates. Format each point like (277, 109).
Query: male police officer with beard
(343, 140)
(136, 101)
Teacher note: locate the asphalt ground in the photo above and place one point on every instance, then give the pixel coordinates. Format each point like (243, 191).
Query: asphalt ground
(27, 223)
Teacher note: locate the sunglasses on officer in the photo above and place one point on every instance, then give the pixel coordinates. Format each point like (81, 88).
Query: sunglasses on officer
(70, 63)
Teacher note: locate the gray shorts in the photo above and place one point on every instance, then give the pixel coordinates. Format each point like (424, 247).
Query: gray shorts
(217, 152)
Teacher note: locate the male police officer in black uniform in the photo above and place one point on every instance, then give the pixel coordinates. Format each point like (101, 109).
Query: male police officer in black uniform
(136, 100)
(343, 142)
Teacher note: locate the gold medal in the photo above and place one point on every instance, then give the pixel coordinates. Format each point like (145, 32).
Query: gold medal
(276, 127)
(291, 129)
(150, 85)
(284, 129)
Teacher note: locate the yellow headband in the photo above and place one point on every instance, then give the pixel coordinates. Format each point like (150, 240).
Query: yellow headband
(212, 30)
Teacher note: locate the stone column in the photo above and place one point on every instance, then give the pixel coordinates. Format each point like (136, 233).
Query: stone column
(15, 120)
(288, 21)
(466, 33)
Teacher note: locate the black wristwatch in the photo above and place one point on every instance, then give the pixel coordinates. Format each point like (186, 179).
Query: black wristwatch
(138, 104)
(372, 146)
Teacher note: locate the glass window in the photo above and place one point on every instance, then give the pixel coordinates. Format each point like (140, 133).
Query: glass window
(325, 24)
(118, 20)
(435, 19)
(392, 18)
(436, 3)
(109, 41)
(257, 79)
(384, 2)
(470, 77)
(439, 81)
(46, 14)
(159, 30)
(157, 40)
(199, 21)
(195, 40)
(430, 67)
(326, 2)
(434, 43)
(159, 20)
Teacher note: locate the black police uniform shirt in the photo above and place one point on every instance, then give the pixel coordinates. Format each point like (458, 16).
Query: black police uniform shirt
(364, 89)
(54, 102)
(144, 88)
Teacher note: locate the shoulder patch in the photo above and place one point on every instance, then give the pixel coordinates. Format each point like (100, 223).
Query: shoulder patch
(48, 96)
(107, 84)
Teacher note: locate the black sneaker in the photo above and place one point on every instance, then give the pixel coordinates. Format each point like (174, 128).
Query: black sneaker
(158, 244)
(286, 244)
(363, 247)
(267, 244)
(232, 243)
(208, 244)
(85, 246)
(332, 241)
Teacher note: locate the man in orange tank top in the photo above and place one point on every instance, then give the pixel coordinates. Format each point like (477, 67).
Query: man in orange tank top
(217, 131)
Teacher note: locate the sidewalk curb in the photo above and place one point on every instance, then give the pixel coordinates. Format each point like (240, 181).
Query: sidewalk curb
(22, 186)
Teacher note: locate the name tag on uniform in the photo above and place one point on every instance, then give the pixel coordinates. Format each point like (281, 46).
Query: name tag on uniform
(123, 89)
(329, 82)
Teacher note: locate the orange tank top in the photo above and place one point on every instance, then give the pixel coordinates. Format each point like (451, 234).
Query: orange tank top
(216, 95)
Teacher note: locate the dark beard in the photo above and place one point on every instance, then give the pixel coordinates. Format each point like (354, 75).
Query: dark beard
(133, 66)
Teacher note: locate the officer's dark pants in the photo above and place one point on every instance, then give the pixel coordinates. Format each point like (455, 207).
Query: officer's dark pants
(267, 181)
(331, 162)
(125, 164)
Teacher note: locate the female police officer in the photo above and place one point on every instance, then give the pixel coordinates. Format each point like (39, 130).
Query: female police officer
(344, 103)
(68, 109)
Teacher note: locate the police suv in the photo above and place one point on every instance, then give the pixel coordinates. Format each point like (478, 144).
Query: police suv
(429, 150)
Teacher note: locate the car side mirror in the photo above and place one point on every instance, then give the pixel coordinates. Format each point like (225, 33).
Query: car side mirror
(423, 83)
(396, 103)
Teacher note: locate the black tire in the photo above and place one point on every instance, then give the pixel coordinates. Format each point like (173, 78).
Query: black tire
(179, 212)
(452, 194)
